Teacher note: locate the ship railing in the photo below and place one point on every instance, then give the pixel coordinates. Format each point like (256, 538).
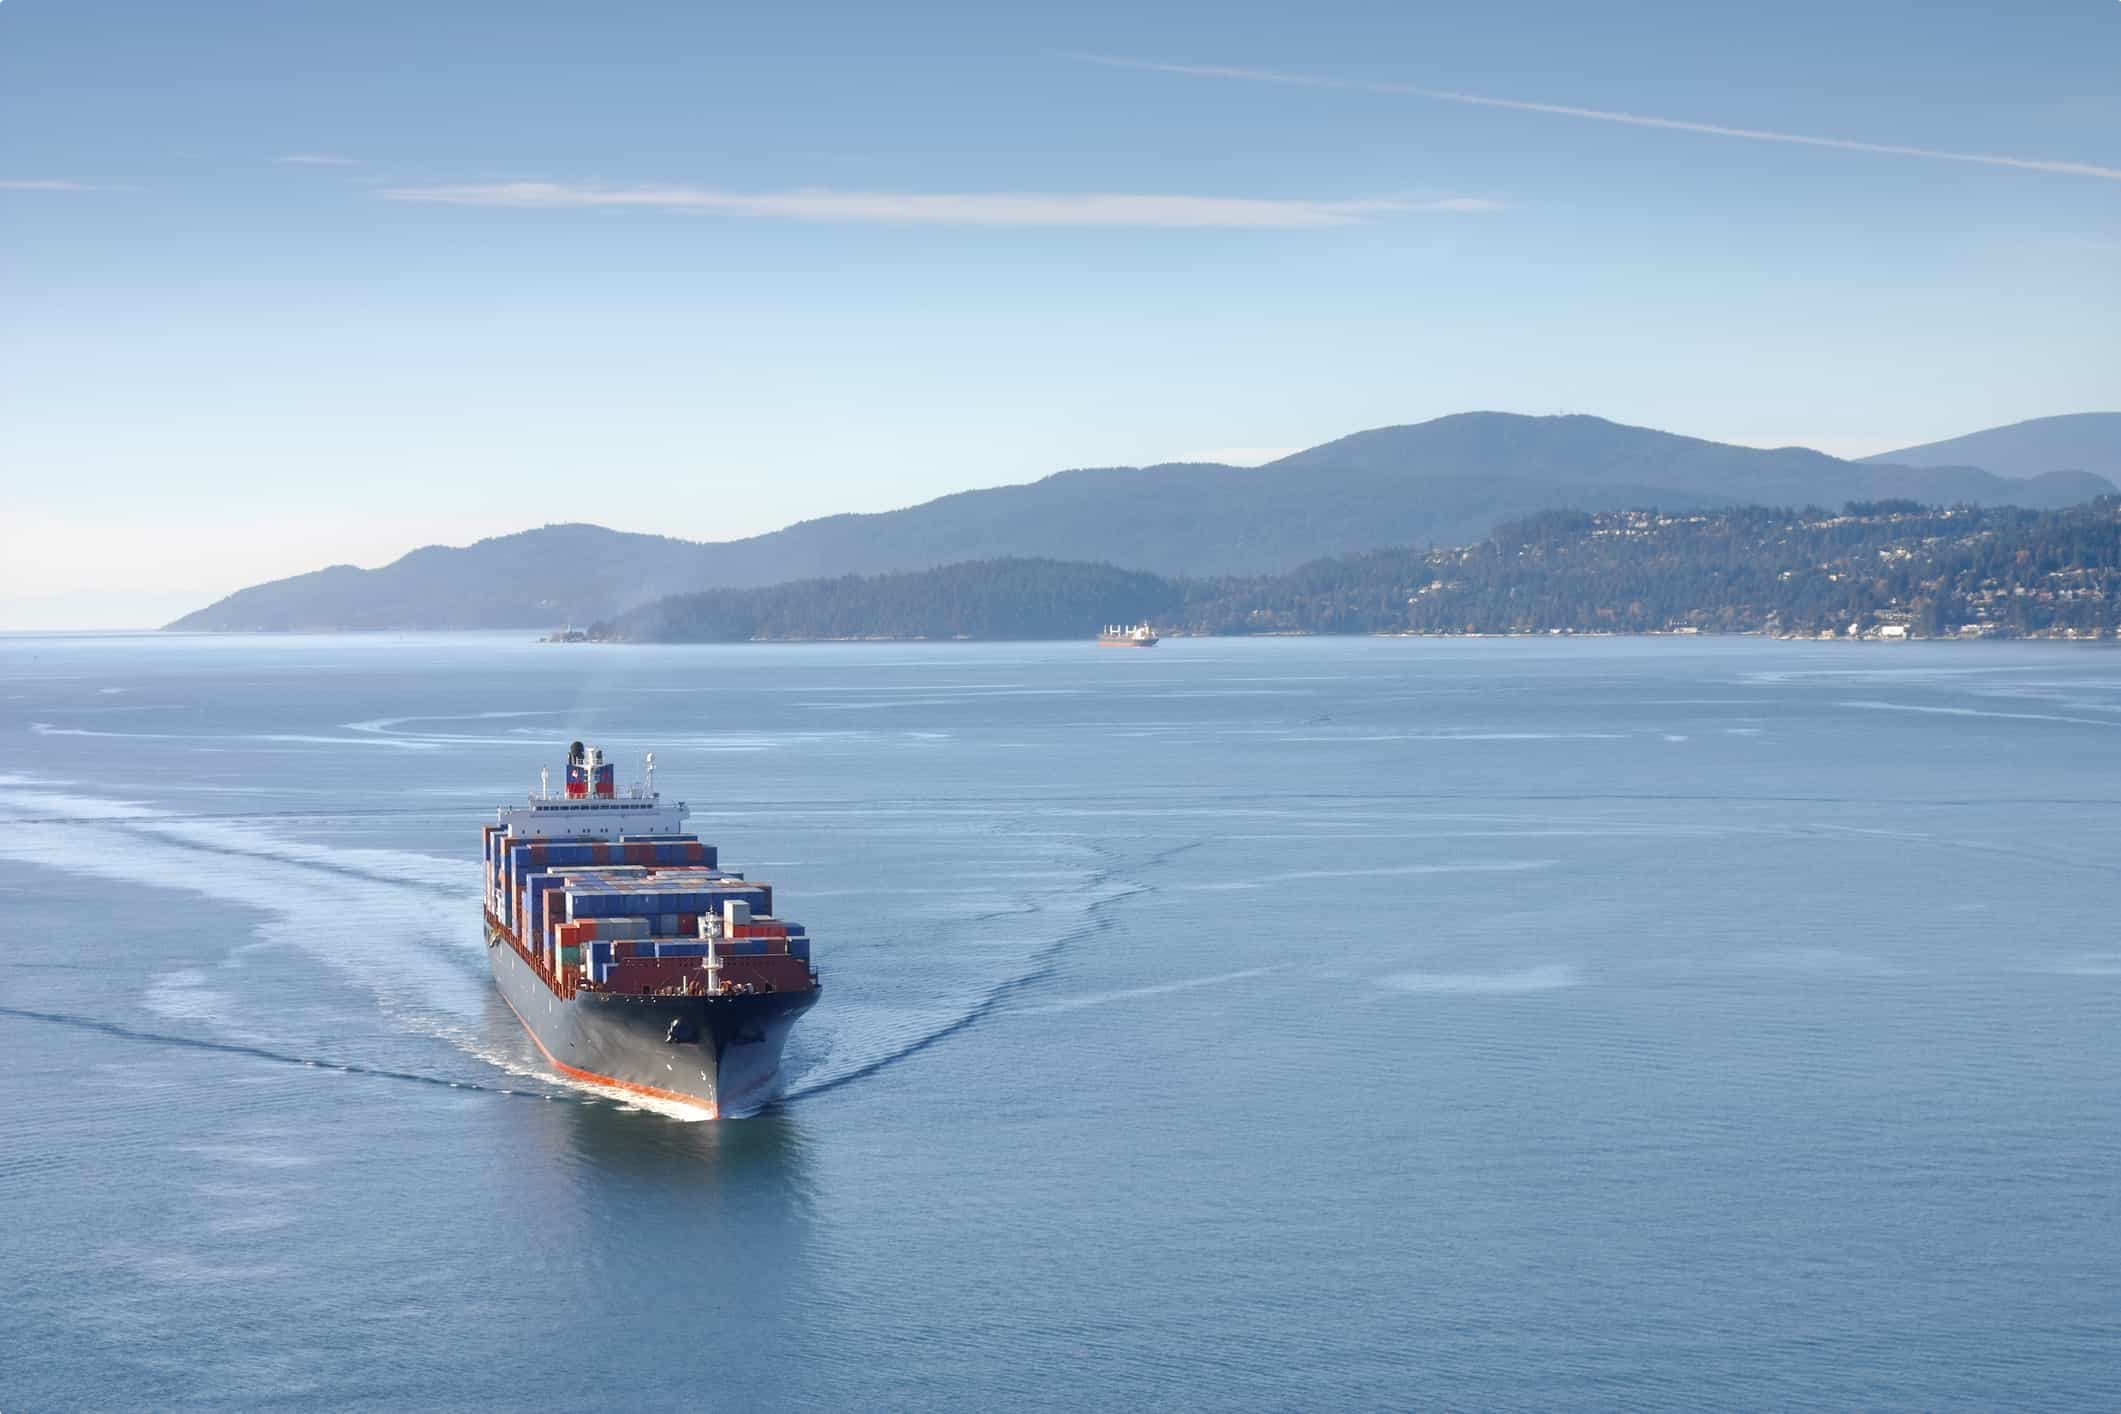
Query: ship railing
(559, 984)
(687, 989)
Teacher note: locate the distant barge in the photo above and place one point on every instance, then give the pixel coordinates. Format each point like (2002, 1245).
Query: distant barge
(1120, 636)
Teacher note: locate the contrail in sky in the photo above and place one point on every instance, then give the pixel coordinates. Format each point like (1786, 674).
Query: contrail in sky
(1602, 115)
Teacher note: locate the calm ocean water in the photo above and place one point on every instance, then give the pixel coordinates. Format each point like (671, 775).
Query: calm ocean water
(1282, 1024)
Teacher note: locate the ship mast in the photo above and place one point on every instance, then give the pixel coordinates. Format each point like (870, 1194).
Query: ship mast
(710, 929)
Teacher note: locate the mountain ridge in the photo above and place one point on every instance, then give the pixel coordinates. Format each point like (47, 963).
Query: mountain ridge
(2073, 441)
(1447, 481)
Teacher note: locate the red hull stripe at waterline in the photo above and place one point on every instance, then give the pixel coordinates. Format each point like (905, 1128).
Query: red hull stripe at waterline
(591, 1077)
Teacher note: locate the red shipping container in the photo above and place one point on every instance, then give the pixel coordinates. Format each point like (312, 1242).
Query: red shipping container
(649, 974)
(779, 973)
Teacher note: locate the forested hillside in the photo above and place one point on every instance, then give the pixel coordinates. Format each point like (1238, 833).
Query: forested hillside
(983, 599)
(1882, 567)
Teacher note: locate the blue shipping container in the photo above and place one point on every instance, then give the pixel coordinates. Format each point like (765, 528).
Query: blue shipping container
(632, 903)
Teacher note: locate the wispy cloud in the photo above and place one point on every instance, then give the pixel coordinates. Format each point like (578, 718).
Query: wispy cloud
(1603, 115)
(314, 159)
(944, 209)
(53, 184)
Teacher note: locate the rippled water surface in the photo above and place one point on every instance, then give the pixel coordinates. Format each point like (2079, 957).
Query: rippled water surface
(1278, 1024)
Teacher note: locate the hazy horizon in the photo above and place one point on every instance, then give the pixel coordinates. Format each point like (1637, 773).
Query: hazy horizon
(123, 610)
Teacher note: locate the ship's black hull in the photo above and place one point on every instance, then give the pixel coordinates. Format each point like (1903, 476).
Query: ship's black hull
(721, 1054)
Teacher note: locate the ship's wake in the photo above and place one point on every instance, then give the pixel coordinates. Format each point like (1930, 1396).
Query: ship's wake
(400, 926)
(265, 1053)
(403, 927)
(1105, 884)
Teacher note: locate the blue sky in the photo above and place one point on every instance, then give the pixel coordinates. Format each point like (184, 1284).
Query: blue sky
(286, 284)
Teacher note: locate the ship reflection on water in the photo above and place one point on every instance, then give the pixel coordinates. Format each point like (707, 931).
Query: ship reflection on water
(710, 1228)
(617, 1141)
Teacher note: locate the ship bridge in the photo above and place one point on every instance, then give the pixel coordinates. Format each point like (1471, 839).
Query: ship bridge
(591, 805)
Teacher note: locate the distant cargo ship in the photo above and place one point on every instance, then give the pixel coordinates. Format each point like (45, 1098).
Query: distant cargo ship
(1120, 636)
(629, 956)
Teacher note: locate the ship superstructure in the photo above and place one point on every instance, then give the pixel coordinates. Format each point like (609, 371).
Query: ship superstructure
(1123, 636)
(630, 956)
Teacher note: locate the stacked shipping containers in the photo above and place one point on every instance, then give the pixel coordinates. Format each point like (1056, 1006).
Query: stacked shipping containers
(627, 913)
(516, 858)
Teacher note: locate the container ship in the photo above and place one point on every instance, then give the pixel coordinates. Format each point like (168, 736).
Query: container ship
(1121, 636)
(629, 955)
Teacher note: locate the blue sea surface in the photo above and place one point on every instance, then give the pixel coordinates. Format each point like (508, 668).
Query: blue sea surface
(1285, 1024)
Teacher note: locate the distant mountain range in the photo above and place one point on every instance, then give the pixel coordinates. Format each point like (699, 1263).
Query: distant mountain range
(2082, 441)
(1444, 482)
